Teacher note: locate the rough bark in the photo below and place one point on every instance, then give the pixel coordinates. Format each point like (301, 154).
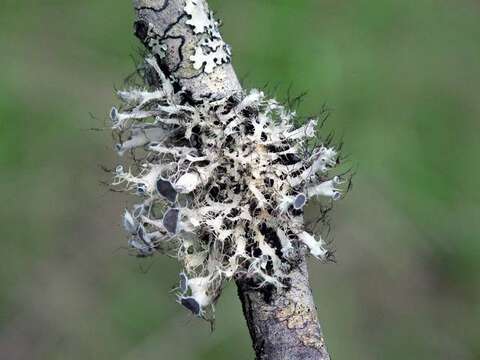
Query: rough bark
(283, 324)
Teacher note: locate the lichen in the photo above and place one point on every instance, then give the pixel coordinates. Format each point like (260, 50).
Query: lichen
(222, 182)
(210, 50)
(303, 320)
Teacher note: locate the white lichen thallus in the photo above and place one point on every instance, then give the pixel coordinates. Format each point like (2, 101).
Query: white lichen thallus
(222, 184)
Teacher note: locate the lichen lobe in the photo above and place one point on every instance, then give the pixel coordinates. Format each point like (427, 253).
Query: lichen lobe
(210, 50)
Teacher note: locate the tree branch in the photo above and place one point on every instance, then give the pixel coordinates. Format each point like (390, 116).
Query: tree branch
(283, 323)
(169, 19)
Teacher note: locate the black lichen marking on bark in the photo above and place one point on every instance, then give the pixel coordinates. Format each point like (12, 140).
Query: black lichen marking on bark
(171, 25)
(154, 9)
(180, 50)
(180, 47)
(141, 30)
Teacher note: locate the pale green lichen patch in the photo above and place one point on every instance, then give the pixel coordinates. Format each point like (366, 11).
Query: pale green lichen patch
(303, 320)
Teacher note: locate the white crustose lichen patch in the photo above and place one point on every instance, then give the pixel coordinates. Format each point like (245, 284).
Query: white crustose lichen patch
(210, 51)
(222, 185)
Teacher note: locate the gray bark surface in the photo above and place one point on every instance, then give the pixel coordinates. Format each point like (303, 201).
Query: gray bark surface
(282, 324)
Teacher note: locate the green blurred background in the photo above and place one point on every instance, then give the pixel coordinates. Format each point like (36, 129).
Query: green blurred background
(402, 78)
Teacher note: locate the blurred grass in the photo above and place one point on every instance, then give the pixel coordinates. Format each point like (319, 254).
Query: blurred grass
(402, 79)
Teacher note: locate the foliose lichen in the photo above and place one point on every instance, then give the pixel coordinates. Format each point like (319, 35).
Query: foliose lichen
(211, 50)
(222, 182)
